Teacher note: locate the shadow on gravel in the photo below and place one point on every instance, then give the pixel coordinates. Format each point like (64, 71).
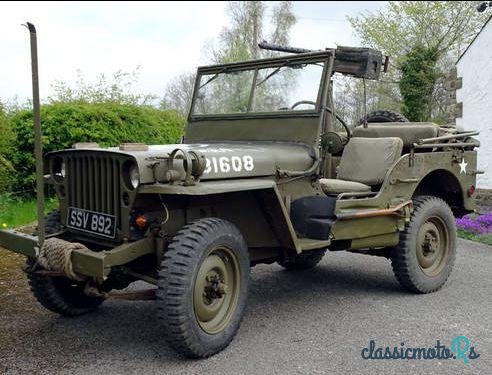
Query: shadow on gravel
(327, 279)
(120, 329)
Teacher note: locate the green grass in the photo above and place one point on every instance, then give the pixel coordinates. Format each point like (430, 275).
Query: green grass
(484, 238)
(16, 211)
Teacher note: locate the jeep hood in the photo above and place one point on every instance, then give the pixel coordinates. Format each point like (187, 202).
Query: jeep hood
(223, 160)
(232, 160)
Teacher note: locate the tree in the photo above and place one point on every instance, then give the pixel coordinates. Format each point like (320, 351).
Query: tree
(178, 93)
(283, 20)
(444, 27)
(115, 89)
(238, 42)
(419, 76)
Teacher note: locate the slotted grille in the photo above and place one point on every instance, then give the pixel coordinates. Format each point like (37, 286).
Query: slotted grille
(93, 183)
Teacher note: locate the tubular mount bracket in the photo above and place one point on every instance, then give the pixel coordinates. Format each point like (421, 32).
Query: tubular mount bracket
(189, 181)
(193, 171)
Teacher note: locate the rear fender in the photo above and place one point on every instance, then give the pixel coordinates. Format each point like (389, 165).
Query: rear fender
(403, 179)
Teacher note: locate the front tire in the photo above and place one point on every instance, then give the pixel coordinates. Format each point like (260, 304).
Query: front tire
(203, 286)
(424, 258)
(59, 294)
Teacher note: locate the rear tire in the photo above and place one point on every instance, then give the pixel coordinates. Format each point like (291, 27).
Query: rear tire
(203, 286)
(303, 261)
(59, 294)
(424, 258)
(383, 116)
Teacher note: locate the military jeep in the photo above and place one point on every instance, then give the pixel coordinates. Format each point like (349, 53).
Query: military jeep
(267, 172)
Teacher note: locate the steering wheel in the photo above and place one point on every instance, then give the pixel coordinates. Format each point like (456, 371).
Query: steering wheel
(342, 122)
(303, 102)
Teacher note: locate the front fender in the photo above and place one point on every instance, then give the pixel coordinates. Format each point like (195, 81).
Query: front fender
(265, 189)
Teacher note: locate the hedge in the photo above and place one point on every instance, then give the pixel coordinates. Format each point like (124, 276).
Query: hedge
(108, 124)
(5, 140)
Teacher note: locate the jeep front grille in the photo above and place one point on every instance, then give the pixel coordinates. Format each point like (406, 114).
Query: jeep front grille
(93, 183)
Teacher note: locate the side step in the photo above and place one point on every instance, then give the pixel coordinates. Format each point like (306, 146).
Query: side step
(310, 244)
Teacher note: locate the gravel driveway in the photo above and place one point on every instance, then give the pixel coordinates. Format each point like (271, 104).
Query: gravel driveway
(314, 322)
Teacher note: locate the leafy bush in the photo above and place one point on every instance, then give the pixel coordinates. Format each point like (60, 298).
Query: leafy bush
(5, 139)
(108, 124)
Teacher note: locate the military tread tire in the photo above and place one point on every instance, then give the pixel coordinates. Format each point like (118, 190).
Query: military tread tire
(383, 116)
(431, 230)
(59, 294)
(180, 277)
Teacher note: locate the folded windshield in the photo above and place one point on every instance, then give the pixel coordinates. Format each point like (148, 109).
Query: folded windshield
(288, 87)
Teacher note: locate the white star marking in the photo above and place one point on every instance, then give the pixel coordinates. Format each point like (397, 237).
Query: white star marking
(463, 166)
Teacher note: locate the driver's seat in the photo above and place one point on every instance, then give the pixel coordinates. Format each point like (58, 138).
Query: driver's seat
(364, 163)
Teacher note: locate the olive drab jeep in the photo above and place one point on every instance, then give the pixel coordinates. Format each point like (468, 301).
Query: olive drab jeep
(267, 172)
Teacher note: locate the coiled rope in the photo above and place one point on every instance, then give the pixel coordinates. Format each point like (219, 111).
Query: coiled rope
(56, 255)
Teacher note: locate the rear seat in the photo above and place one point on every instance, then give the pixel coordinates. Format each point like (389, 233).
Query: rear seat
(408, 132)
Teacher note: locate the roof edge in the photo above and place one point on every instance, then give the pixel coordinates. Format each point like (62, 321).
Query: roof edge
(474, 38)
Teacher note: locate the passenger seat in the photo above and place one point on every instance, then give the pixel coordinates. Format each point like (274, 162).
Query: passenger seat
(364, 163)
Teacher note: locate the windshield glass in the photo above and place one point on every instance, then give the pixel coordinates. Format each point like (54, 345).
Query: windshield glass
(288, 87)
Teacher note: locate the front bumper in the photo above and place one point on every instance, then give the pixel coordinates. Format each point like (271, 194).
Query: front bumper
(18, 242)
(95, 264)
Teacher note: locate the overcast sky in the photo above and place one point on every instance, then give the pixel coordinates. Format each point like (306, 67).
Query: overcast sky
(163, 39)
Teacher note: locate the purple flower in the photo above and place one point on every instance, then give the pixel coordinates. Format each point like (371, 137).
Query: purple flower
(478, 224)
(485, 219)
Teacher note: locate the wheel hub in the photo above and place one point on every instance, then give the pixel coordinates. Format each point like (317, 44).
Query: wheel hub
(216, 290)
(432, 246)
(215, 287)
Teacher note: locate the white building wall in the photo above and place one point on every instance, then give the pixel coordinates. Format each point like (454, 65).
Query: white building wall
(475, 68)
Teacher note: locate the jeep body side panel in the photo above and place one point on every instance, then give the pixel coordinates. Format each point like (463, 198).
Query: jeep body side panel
(403, 179)
(402, 182)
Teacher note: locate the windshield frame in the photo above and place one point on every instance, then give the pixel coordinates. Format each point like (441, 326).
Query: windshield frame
(254, 66)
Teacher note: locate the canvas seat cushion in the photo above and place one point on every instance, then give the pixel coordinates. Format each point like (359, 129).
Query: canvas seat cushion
(332, 186)
(408, 132)
(367, 160)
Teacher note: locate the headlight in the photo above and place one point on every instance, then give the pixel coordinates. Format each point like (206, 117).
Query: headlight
(134, 176)
(131, 174)
(63, 170)
(58, 169)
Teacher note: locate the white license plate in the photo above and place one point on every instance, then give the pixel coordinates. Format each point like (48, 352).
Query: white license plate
(91, 222)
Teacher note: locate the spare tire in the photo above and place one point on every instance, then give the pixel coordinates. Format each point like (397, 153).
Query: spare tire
(383, 116)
